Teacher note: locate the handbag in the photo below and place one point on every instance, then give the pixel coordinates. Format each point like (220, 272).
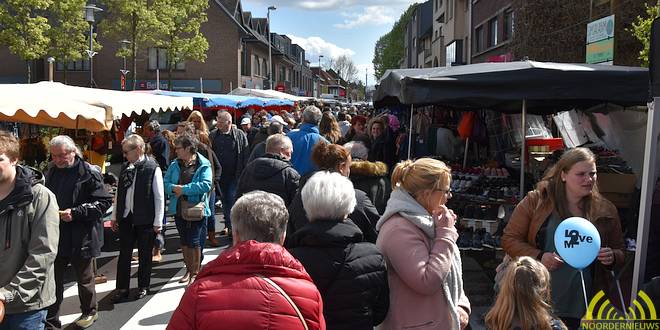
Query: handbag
(193, 211)
(288, 299)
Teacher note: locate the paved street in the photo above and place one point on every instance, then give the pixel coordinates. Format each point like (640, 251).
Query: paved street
(151, 312)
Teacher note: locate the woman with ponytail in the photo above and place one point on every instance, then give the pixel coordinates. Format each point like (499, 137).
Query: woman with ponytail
(418, 240)
(524, 299)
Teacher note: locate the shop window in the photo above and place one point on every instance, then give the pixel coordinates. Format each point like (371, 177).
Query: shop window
(508, 25)
(79, 65)
(158, 60)
(492, 32)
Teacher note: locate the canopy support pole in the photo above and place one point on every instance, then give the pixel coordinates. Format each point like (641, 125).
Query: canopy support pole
(412, 111)
(523, 155)
(201, 85)
(467, 145)
(646, 199)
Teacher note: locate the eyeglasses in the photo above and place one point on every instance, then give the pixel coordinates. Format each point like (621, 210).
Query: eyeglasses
(447, 192)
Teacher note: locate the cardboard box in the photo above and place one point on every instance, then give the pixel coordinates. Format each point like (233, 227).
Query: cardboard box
(618, 199)
(616, 183)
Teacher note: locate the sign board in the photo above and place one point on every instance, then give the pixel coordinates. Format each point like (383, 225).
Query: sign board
(342, 93)
(280, 88)
(600, 41)
(600, 29)
(600, 51)
(180, 85)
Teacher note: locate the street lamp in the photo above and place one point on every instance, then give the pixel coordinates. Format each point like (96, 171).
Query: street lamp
(270, 60)
(124, 45)
(89, 12)
(50, 60)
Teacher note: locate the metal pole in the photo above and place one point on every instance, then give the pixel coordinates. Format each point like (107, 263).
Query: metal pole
(157, 79)
(201, 85)
(523, 154)
(646, 199)
(91, 55)
(270, 60)
(412, 110)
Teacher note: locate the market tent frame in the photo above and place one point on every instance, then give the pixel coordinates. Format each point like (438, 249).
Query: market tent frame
(539, 88)
(55, 104)
(268, 93)
(208, 100)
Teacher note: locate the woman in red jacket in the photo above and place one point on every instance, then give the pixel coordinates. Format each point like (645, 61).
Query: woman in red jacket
(256, 284)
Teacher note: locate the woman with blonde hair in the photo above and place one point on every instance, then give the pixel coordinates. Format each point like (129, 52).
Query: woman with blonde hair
(329, 128)
(569, 189)
(197, 119)
(418, 240)
(523, 301)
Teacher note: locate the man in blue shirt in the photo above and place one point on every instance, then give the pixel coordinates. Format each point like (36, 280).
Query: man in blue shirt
(305, 139)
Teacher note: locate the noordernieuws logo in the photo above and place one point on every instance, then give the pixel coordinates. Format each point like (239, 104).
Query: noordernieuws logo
(601, 315)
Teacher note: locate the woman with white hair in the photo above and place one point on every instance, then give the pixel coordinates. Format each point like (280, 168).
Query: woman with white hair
(370, 177)
(349, 273)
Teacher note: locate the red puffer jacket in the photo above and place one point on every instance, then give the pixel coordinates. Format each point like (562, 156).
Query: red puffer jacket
(229, 294)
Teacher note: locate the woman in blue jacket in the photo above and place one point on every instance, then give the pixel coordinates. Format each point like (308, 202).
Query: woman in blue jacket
(188, 178)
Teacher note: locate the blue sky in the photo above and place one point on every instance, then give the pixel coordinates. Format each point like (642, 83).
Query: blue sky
(333, 27)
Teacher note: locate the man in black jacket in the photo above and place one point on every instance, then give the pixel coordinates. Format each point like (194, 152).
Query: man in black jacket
(83, 201)
(160, 149)
(230, 144)
(272, 172)
(138, 215)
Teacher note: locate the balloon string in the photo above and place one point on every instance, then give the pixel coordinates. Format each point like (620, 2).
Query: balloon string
(618, 286)
(584, 291)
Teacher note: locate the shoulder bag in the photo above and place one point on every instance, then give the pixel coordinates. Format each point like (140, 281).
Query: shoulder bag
(288, 299)
(193, 211)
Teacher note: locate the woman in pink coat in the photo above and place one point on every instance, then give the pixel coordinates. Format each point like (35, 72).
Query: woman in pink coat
(418, 240)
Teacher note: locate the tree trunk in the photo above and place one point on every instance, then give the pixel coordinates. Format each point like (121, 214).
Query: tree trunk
(29, 71)
(66, 67)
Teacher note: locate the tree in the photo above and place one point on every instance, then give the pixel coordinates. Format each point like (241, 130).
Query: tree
(135, 21)
(24, 30)
(68, 34)
(344, 67)
(180, 22)
(389, 48)
(641, 29)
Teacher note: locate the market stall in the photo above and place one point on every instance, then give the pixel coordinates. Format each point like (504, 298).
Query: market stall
(519, 88)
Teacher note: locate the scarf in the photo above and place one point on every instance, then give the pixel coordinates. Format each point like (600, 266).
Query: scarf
(404, 204)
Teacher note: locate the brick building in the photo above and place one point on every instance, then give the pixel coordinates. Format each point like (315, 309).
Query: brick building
(492, 31)
(237, 57)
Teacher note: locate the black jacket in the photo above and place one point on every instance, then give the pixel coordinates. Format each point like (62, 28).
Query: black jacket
(160, 149)
(83, 236)
(242, 147)
(270, 173)
(259, 150)
(371, 177)
(350, 274)
(364, 216)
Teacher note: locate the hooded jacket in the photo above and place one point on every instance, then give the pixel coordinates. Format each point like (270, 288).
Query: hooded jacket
(372, 178)
(304, 141)
(270, 173)
(364, 215)
(229, 293)
(83, 236)
(29, 230)
(350, 274)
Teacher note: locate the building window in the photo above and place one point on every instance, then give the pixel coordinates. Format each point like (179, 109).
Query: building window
(508, 25)
(158, 60)
(450, 9)
(492, 32)
(479, 39)
(264, 70)
(79, 65)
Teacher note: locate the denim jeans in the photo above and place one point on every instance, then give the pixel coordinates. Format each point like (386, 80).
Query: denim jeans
(228, 188)
(25, 321)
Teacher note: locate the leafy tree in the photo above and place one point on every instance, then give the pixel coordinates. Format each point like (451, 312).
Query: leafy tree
(69, 32)
(180, 23)
(132, 20)
(641, 29)
(389, 48)
(24, 30)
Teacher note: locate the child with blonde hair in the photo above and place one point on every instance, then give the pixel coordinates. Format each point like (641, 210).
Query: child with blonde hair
(523, 302)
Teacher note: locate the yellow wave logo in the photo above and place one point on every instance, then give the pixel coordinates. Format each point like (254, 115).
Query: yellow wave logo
(601, 314)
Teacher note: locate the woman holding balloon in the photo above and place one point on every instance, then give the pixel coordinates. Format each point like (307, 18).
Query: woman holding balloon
(568, 190)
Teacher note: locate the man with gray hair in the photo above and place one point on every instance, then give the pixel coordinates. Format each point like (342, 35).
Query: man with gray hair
(305, 139)
(83, 201)
(274, 287)
(272, 172)
(160, 149)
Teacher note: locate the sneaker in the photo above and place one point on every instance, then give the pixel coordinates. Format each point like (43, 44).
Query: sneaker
(488, 241)
(86, 321)
(477, 241)
(120, 297)
(631, 244)
(464, 239)
(143, 292)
